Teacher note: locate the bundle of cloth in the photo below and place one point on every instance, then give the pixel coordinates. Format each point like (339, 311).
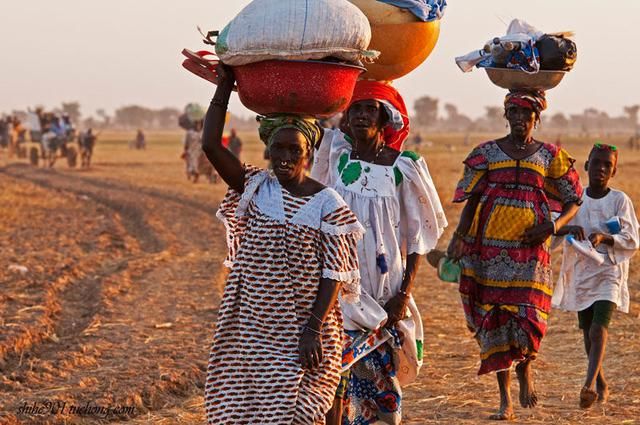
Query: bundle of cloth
(424, 10)
(524, 48)
(296, 30)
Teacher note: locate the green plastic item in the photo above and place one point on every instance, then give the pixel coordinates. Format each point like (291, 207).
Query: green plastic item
(449, 270)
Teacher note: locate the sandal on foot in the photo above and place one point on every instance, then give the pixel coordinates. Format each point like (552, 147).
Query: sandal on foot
(587, 397)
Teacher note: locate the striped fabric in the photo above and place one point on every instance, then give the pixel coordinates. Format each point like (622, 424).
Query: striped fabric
(254, 375)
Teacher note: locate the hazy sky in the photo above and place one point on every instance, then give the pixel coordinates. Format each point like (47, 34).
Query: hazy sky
(119, 52)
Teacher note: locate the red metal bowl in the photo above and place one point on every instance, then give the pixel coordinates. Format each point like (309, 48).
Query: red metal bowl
(299, 87)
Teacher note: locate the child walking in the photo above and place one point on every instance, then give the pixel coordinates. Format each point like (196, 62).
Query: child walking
(596, 285)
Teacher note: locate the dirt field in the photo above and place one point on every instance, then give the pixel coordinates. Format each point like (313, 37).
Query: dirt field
(123, 280)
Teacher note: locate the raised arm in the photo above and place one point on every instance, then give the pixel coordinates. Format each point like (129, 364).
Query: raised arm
(227, 165)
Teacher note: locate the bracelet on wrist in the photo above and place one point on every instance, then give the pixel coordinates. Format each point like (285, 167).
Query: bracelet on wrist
(317, 318)
(458, 234)
(404, 292)
(219, 102)
(310, 329)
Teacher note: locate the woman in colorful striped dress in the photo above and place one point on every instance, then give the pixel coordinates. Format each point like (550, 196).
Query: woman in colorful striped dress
(511, 187)
(276, 352)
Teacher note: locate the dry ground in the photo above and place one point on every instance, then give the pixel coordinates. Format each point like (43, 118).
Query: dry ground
(124, 278)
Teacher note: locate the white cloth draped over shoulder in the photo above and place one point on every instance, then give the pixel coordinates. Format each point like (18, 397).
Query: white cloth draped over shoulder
(398, 205)
(582, 281)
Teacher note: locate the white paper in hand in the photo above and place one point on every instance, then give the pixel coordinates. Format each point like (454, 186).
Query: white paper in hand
(585, 248)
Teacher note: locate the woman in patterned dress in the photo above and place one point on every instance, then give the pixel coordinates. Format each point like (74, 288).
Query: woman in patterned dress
(276, 352)
(512, 186)
(393, 196)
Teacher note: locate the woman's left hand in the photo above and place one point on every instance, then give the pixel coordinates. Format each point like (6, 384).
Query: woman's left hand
(396, 308)
(310, 349)
(538, 234)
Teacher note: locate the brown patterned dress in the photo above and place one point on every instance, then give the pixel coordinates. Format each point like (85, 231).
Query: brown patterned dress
(279, 248)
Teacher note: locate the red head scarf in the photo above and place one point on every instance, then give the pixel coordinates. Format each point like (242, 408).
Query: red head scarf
(532, 99)
(374, 90)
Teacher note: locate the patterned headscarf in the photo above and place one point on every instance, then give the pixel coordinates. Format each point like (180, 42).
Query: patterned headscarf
(396, 130)
(532, 99)
(272, 124)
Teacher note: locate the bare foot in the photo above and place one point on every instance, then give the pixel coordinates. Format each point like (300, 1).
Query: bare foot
(587, 397)
(603, 391)
(528, 396)
(504, 414)
(603, 395)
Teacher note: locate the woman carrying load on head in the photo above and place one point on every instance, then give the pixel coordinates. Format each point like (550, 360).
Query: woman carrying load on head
(276, 352)
(512, 186)
(393, 196)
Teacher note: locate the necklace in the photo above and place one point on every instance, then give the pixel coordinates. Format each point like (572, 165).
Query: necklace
(357, 153)
(522, 146)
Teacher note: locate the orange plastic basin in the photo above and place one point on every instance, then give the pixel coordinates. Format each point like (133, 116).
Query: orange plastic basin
(402, 47)
(404, 41)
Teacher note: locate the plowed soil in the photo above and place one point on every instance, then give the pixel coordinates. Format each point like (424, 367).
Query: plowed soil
(124, 275)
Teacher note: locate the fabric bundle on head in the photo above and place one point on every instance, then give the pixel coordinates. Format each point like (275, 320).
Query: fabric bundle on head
(270, 125)
(397, 129)
(532, 99)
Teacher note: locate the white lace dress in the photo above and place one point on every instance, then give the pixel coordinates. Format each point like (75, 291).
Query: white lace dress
(398, 205)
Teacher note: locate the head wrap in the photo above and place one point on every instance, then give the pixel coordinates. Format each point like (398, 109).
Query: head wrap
(396, 129)
(532, 99)
(600, 146)
(272, 124)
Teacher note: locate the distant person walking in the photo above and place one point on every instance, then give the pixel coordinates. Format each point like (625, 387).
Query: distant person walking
(140, 142)
(4, 132)
(87, 142)
(235, 144)
(196, 163)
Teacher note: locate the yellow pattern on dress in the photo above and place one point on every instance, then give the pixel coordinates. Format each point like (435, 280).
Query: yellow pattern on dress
(508, 223)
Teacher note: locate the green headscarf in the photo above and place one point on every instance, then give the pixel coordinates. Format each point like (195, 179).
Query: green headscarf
(271, 124)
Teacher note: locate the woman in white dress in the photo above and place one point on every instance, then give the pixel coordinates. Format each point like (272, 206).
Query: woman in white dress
(393, 196)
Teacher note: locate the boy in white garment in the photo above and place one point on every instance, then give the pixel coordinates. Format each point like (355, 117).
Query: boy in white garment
(592, 286)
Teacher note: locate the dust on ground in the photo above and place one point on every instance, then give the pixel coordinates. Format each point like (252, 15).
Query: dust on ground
(125, 274)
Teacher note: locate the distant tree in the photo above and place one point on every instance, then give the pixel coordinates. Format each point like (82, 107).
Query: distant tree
(494, 116)
(133, 116)
(595, 119)
(73, 110)
(167, 117)
(455, 121)
(452, 111)
(632, 113)
(559, 121)
(426, 111)
(106, 119)
(90, 122)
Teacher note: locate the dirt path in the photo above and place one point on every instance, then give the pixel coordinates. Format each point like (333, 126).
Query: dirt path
(129, 326)
(123, 284)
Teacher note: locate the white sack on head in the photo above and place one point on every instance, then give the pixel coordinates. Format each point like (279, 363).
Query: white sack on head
(295, 29)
